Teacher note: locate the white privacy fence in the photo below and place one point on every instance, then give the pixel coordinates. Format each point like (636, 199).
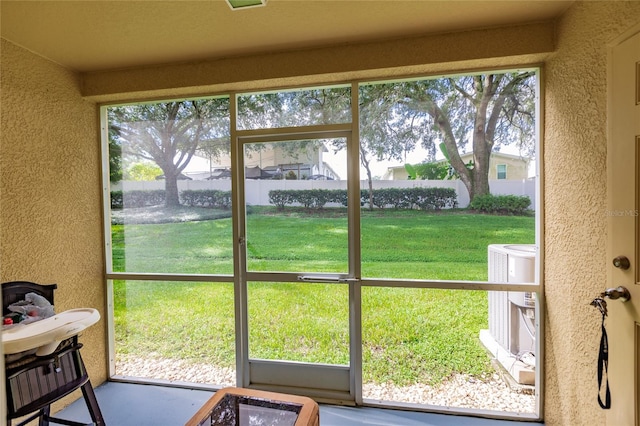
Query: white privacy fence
(257, 191)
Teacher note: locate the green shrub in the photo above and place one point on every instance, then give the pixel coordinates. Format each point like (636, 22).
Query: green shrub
(364, 197)
(309, 198)
(194, 198)
(339, 196)
(133, 199)
(291, 175)
(116, 200)
(501, 204)
(411, 198)
(397, 198)
(281, 198)
(312, 198)
(434, 198)
(206, 198)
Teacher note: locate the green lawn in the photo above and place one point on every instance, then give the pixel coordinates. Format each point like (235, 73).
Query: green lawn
(408, 334)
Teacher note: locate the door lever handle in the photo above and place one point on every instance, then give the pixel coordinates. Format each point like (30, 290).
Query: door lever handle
(319, 278)
(620, 293)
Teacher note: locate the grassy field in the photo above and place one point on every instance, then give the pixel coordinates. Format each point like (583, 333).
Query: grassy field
(409, 335)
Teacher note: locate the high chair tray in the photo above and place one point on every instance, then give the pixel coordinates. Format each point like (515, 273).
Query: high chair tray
(46, 334)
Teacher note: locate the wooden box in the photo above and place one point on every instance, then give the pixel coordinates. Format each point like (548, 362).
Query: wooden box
(249, 407)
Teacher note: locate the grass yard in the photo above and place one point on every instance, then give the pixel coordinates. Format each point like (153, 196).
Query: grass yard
(409, 335)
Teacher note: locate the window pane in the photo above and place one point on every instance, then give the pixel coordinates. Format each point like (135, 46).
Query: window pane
(171, 187)
(328, 105)
(414, 244)
(424, 346)
(502, 171)
(175, 331)
(418, 221)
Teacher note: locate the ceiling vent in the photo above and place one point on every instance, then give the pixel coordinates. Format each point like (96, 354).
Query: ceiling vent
(245, 4)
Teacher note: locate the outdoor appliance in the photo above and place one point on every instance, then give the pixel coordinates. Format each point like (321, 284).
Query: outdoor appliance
(512, 314)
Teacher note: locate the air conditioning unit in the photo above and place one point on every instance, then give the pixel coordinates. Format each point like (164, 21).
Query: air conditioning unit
(512, 314)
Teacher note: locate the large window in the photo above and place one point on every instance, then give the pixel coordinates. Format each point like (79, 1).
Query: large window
(170, 187)
(291, 241)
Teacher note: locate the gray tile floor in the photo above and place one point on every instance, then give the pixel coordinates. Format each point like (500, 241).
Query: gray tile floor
(127, 404)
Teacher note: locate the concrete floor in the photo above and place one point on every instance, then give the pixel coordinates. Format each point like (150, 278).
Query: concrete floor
(127, 404)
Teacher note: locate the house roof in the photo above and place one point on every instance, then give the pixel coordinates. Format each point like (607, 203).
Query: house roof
(467, 155)
(89, 36)
(498, 154)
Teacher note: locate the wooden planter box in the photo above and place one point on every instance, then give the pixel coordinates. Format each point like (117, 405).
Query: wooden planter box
(249, 407)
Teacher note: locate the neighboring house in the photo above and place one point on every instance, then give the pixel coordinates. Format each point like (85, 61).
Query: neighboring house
(273, 161)
(501, 166)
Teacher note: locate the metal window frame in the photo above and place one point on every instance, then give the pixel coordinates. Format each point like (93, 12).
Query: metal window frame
(240, 274)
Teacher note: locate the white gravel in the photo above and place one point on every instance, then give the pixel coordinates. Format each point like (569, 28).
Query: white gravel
(461, 391)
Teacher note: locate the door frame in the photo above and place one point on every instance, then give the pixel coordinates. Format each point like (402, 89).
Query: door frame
(331, 382)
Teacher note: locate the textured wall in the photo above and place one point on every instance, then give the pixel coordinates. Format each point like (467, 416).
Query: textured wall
(576, 223)
(50, 209)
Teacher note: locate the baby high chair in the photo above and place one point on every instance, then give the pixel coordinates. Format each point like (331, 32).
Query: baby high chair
(42, 359)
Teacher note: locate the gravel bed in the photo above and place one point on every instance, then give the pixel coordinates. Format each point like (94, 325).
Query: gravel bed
(462, 391)
(459, 391)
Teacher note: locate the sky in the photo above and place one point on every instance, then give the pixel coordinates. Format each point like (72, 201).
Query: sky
(379, 168)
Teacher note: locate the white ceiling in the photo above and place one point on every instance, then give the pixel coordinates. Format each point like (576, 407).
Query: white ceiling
(93, 35)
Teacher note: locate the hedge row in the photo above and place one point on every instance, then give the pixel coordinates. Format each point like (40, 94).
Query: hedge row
(206, 198)
(310, 198)
(501, 204)
(202, 198)
(414, 198)
(398, 198)
(138, 198)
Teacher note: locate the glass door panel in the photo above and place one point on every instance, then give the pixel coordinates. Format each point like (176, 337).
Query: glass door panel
(302, 322)
(295, 198)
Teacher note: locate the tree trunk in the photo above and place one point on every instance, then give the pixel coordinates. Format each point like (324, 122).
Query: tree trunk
(365, 162)
(370, 189)
(172, 198)
(479, 185)
(481, 157)
(482, 143)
